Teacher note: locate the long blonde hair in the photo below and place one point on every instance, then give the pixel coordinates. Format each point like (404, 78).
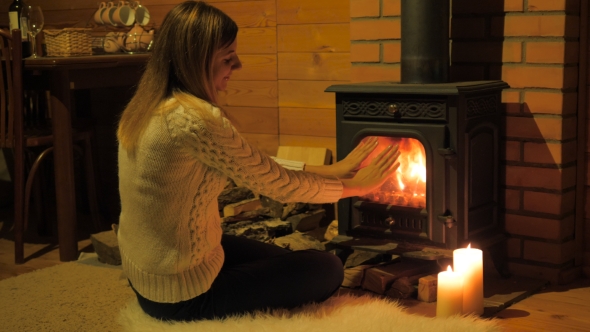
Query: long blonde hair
(180, 65)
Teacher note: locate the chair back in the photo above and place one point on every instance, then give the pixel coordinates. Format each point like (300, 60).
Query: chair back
(11, 124)
(11, 90)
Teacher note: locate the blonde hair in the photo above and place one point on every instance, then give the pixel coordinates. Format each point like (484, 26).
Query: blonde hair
(180, 66)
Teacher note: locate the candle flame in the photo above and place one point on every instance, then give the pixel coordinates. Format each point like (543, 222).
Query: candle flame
(469, 246)
(449, 269)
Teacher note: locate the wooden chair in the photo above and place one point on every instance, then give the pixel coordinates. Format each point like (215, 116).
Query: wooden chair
(24, 141)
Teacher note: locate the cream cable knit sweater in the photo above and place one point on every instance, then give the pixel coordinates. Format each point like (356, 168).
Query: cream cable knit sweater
(169, 229)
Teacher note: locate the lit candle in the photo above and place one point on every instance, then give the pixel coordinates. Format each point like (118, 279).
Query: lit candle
(449, 293)
(469, 262)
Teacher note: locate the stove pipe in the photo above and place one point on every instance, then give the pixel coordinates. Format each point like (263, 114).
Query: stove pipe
(425, 41)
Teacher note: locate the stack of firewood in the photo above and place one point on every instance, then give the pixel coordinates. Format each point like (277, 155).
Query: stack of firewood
(292, 225)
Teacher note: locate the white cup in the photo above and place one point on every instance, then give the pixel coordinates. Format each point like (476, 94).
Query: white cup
(98, 14)
(142, 15)
(124, 15)
(107, 14)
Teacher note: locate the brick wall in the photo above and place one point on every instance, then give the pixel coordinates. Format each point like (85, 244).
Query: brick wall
(533, 45)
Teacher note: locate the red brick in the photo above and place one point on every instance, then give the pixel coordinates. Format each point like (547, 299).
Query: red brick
(392, 8)
(362, 73)
(365, 52)
(557, 77)
(550, 153)
(550, 102)
(541, 127)
(511, 101)
(552, 52)
(568, 275)
(535, 26)
(550, 229)
(545, 252)
(514, 248)
(468, 28)
(486, 6)
(551, 274)
(542, 178)
(364, 8)
(556, 204)
(554, 5)
(512, 199)
(487, 52)
(512, 51)
(513, 151)
(375, 29)
(392, 52)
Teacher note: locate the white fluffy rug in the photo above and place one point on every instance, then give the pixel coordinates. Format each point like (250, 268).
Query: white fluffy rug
(342, 313)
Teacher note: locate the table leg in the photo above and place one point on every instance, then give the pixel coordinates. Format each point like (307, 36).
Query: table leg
(64, 168)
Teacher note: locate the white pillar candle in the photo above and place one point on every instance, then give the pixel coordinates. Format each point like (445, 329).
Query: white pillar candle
(449, 293)
(469, 262)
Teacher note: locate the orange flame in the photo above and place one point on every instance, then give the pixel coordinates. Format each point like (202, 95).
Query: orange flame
(407, 186)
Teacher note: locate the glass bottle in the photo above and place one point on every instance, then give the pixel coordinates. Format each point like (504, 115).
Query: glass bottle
(18, 21)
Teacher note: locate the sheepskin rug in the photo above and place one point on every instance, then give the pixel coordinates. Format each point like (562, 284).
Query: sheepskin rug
(342, 313)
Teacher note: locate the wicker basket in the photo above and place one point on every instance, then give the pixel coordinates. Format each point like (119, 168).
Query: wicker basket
(68, 42)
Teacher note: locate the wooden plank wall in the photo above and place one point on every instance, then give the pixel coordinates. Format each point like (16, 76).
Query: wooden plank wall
(291, 51)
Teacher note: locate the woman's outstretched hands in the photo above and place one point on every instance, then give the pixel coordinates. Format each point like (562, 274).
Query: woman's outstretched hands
(348, 167)
(374, 175)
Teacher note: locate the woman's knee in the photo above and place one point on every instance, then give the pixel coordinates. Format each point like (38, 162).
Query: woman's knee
(330, 264)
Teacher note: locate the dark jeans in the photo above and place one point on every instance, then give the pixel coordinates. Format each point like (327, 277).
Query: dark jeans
(257, 276)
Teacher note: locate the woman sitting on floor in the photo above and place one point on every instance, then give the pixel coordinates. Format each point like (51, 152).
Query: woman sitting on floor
(177, 148)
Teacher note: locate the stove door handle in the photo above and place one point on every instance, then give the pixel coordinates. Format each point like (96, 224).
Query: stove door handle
(447, 219)
(448, 153)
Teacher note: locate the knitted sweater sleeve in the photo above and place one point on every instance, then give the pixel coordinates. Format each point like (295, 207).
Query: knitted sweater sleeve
(213, 141)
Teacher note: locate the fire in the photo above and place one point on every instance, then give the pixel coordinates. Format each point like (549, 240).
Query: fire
(407, 186)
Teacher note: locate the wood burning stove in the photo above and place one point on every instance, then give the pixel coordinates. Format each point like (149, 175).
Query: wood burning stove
(449, 141)
(449, 138)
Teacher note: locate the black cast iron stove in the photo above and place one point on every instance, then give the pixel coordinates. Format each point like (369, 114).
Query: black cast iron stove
(454, 129)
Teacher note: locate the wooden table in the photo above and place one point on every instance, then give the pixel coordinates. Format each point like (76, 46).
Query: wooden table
(61, 75)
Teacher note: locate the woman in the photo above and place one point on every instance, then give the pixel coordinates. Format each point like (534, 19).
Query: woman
(176, 151)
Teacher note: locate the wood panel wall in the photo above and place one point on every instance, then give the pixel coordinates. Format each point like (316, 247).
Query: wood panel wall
(291, 51)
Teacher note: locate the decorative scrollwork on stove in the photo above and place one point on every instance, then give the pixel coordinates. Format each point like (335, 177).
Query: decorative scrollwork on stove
(483, 105)
(372, 108)
(404, 109)
(423, 110)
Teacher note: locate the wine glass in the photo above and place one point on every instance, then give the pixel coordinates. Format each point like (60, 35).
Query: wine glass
(34, 16)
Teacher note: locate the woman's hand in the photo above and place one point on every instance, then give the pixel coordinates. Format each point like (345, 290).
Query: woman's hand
(374, 175)
(349, 166)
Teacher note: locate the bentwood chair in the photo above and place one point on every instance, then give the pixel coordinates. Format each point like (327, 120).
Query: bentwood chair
(27, 142)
